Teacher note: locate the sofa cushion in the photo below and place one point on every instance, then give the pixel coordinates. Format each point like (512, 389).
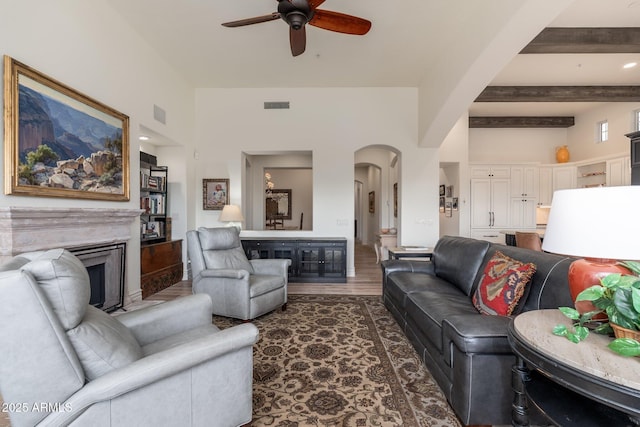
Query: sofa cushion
(103, 343)
(426, 310)
(503, 283)
(400, 284)
(458, 260)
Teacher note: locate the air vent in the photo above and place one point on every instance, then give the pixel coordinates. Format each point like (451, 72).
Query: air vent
(282, 105)
(159, 114)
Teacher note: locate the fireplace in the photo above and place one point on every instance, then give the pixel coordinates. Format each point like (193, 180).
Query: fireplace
(97, 236)
(106, 267)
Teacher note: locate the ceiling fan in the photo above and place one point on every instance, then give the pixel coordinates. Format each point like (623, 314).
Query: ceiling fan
(298, 13)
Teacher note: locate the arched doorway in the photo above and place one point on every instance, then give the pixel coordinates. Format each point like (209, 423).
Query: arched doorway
(376, 192)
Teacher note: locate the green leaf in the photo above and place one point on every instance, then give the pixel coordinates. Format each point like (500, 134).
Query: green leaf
(624, 304)
(582, 332)
(573, 337)
(571, 313)
(625, 346)
(610, 280)
(634, 266)
(635, 299)
(560, 330)
(586, 317)
(591, 294)
(627, 281)
(603, 329)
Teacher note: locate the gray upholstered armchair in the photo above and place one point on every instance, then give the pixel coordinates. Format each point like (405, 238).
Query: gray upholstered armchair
(239, 288)
(64, 362)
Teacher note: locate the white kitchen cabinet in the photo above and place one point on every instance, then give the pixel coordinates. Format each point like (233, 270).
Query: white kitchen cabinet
(564, 177)
(523, 213)
(491, 171)
(490, 202)
(545, 188)
(488, 234)
(619, 171)
(524, 181)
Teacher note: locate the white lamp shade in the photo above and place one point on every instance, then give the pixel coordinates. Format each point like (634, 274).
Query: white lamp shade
(599, 222)
(231, 213)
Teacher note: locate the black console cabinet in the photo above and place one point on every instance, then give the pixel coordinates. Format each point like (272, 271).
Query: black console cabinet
(312, 260)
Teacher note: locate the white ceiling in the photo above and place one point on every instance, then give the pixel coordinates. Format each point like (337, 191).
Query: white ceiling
(396, 52)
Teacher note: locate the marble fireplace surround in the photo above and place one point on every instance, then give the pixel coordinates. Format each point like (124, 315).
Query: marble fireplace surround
(25, 229)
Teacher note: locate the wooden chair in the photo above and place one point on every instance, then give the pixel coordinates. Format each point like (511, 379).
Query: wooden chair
(528, 240)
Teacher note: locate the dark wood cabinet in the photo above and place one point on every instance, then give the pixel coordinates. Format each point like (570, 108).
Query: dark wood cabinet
(312, 260)
(160, 266)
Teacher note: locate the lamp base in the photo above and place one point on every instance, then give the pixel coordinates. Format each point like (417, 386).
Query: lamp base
(587, 272)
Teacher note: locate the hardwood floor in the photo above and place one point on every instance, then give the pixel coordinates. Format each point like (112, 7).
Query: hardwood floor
(367, 281)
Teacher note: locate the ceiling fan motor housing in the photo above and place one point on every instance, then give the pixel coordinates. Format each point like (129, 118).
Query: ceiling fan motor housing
(296, 13)
(296, 19)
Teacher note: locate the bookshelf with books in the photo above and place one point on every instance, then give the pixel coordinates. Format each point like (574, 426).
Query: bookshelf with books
(153, 201)
(160, 257)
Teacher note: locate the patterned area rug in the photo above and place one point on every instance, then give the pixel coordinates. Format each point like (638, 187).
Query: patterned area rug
(340, 361)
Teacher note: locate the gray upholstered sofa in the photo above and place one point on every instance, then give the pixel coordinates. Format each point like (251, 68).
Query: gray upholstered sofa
(64, 362)
(467, 353)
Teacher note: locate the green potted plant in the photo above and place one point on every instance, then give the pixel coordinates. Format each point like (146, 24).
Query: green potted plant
(618, 295)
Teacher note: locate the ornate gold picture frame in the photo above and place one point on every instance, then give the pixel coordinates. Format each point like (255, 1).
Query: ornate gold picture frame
(59, 142)
(215, 193)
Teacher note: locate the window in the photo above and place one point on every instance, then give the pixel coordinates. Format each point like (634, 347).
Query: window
(636, 120)
(603, 131)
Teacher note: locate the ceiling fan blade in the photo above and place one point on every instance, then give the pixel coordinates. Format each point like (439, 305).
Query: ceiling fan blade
(315, 3)
(250, 21)
(340, 22)
(298, 40)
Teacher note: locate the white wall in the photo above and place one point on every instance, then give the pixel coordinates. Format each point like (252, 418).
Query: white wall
(539, 145)
(515, 145)
(581, 137)
(454, 155)
(86, 46)
(333, 123)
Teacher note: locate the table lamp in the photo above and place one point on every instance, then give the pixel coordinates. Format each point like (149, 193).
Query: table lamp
(600, 225)
(232, 215)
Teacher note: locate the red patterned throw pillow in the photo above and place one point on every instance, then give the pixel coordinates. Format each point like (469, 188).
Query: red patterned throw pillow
(502, 285)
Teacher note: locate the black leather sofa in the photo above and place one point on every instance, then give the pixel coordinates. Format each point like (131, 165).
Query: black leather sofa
(467, 353)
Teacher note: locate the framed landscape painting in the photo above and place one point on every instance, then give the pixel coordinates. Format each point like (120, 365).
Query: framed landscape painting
(59, 142)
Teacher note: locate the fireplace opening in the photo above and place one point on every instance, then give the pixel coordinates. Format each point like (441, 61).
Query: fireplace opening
(106, 267)
(96, 279)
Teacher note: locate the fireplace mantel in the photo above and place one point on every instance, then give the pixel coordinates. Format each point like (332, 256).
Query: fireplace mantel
(24, 229)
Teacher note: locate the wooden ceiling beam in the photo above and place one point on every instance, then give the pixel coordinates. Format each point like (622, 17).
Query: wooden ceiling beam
(586, 40)
(521, 122)
(560, 94)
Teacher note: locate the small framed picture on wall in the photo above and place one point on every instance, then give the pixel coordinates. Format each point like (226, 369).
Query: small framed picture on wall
(215, 193)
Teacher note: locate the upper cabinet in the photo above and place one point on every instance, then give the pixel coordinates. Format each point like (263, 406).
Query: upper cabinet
(563, 177)
(545, 188)
(491, 171)
(618, 172)
(524, 181)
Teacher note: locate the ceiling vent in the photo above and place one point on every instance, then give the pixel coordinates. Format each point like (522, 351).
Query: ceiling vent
(282, 105)
(159, 114)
